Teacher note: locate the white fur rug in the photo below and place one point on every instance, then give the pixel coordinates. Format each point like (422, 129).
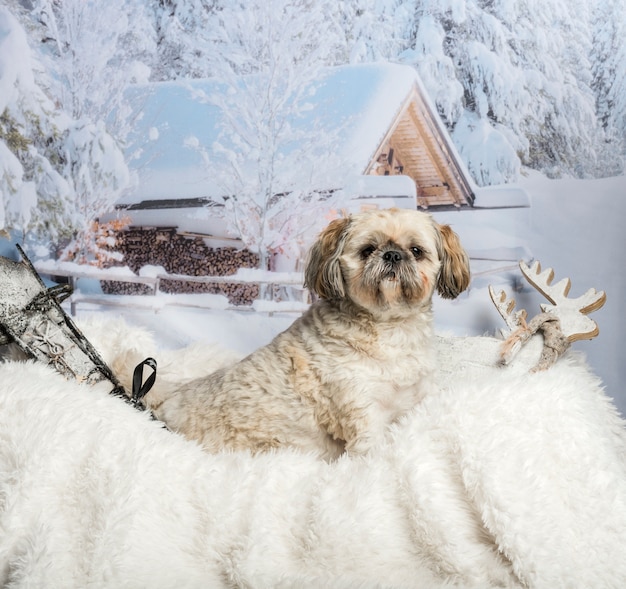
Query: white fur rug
(502, 479)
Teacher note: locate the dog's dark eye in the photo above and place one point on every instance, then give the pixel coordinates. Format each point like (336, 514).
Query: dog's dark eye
(417, 252)
(367, 251)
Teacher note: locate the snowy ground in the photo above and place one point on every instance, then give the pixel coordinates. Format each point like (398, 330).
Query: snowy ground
(572, 226)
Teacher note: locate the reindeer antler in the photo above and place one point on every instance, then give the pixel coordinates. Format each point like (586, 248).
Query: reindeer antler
(505, 307)
(572, 313)
(518, 333)
(562, 322)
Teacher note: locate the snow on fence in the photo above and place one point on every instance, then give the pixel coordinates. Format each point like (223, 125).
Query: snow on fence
(278, 283)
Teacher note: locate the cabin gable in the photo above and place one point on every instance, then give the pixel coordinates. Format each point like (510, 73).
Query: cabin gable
(416, 147)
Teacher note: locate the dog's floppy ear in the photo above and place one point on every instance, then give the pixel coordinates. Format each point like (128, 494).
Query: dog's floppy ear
(454, 274)
(322, 273)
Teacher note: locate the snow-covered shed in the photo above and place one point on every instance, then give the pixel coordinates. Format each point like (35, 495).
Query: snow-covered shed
(389, 128)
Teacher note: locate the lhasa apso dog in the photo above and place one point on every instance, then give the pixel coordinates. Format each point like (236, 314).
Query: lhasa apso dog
(360, 357)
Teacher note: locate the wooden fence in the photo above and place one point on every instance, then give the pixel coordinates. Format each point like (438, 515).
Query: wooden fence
(274, 282)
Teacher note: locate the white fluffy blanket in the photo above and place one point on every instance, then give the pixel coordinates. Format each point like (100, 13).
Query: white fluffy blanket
(502, 479)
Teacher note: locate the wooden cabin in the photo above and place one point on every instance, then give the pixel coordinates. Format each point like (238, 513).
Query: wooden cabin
(393, 148)
(388, 128)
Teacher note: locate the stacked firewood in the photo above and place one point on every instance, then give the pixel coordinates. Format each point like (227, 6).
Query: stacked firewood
(189, 256)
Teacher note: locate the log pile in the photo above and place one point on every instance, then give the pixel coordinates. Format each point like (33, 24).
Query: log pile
(178, 254)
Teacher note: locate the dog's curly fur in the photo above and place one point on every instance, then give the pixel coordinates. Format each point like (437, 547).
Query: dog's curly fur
(360, 357)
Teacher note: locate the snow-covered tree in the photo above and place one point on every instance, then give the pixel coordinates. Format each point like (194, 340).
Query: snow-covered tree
(608, 57)
(268, 57)
(34, 195)
(512, 80)
(373, 29)
(184, 31)
(93, 51)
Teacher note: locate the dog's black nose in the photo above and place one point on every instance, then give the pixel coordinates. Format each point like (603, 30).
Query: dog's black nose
(392, 256)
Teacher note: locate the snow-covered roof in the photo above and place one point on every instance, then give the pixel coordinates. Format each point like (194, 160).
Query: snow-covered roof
(192, 217)
(363, 101)
(502, 196)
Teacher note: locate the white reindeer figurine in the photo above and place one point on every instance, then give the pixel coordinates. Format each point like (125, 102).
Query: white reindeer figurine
(562, 322)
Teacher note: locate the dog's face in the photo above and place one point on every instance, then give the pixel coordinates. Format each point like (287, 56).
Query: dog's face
(387, 260)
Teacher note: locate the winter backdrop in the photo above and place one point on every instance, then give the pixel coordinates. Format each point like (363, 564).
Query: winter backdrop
(527, 85)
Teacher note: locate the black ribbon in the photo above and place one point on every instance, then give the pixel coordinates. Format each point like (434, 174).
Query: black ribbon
(141, 387)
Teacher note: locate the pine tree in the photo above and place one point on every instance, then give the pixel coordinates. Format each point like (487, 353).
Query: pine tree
(34, 196)
(608, 57)
(525, 77)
